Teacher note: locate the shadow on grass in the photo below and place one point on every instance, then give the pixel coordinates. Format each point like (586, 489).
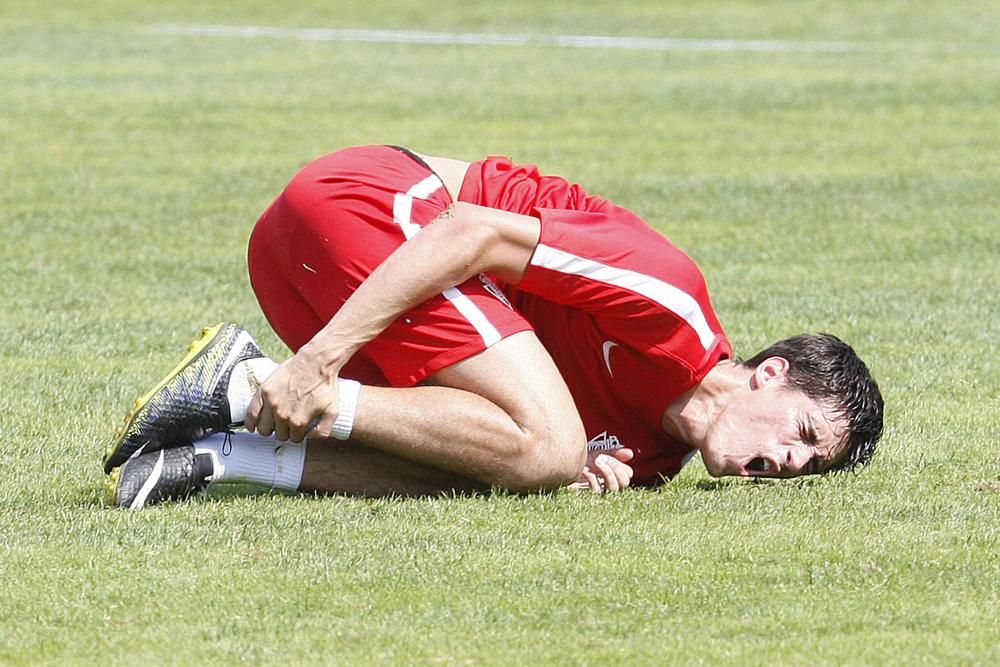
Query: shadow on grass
(229, 492)
(758, 483)
(97, 497)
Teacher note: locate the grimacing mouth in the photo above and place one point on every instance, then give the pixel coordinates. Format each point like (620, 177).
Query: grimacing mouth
(759, 466)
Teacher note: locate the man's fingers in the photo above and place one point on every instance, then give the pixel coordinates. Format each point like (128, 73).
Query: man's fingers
(593, 480)
(605, 467)
(321, 426)
(253, 411)
(310, 429)
(281, 429)
(297, 433)
(607, 472)
(623, 454)
(623, 471)
(265, 423)
(618, 475)
(587, 480)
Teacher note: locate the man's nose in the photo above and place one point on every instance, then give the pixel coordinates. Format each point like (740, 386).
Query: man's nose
(796, 460)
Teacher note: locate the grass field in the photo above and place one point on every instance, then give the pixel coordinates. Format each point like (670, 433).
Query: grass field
(845, 179)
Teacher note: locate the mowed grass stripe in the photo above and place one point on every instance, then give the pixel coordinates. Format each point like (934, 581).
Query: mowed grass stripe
(502, 39)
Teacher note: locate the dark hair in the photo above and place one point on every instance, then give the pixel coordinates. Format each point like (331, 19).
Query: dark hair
(827, 370)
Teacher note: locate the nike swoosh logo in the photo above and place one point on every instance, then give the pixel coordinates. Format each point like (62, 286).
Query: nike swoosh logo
(607, 354)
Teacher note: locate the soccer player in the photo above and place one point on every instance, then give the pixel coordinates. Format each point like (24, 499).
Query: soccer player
(464, 325)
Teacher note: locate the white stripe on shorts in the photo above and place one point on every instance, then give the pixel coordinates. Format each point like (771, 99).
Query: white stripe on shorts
(402, 211)
(475, 316)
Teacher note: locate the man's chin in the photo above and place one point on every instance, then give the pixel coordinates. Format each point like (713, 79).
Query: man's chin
(716, 468)
(724, 468)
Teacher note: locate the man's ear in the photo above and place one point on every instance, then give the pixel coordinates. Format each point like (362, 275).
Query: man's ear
(772, 369)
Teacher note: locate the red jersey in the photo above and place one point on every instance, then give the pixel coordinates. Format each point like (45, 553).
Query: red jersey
(624, 313)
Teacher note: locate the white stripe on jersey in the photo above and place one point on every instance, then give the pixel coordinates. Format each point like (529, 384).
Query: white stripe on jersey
(675, 300)
(402, 211)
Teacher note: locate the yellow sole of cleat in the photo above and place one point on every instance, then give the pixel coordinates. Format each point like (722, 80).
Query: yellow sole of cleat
(111, 487)
(194, 349)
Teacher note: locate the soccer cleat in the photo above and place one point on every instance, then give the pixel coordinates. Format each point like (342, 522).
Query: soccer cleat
(174, 473)
(190, 402)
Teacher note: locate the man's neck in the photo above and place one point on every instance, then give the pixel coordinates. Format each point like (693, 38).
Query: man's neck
(690, 417)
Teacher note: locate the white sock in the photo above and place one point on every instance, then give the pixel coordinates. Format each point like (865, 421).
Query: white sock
(244, 382)
(247, 458)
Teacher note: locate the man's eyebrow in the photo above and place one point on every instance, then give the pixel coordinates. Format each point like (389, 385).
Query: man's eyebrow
(811, 437)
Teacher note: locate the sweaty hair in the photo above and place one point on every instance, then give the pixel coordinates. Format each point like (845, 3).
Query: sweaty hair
(827, 370)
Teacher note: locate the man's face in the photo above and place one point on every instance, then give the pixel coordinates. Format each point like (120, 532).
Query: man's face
(771, 430)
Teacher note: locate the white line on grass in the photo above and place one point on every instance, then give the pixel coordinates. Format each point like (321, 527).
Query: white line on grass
(503, 39)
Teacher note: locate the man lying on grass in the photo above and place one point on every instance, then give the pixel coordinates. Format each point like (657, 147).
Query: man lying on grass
(465, 325)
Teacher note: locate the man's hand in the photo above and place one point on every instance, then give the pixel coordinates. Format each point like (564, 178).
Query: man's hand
(298, 399)
(606, 471)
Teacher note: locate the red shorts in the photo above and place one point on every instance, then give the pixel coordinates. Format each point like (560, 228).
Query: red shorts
(337, 220)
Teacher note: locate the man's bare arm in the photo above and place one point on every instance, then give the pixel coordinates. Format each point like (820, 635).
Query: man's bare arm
(504, 416)
(463, 242)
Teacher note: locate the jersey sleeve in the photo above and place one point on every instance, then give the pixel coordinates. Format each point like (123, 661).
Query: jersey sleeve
(639, 286)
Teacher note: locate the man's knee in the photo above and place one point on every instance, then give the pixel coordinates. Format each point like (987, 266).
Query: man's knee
(545, 446)
(546, 461)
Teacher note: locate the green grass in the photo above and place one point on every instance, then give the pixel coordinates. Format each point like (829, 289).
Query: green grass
(854, 192)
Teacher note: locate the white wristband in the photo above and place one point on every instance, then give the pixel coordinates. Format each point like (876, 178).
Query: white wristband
(349, 390)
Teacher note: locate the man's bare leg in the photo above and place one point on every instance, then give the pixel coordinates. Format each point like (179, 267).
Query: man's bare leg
(348, 468)
(503, 417)
(322, 464)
